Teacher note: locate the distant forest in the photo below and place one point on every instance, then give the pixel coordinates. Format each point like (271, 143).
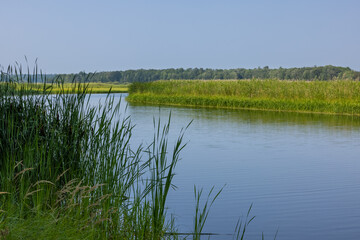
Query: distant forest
(141, 75)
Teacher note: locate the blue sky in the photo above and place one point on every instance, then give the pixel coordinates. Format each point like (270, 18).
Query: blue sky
(77, 35)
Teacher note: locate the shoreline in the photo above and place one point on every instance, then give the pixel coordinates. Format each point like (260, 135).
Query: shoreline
(336, 98)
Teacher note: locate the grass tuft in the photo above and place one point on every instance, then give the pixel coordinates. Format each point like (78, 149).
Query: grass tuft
(68, 170)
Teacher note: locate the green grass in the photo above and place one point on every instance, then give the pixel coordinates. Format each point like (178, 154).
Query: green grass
(337, 97)
(92, 87)
(46, 226)
(67, 170)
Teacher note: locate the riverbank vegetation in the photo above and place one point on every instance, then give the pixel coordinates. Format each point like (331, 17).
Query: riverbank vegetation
(148, 75)
(68, 169)
(96, 88)
(91, 87)
(69, 172)
(338, 96)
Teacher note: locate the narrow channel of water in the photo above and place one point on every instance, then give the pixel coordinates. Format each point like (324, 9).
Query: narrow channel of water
(300, 171)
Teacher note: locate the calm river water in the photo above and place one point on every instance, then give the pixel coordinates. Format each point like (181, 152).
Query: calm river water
(301, 172)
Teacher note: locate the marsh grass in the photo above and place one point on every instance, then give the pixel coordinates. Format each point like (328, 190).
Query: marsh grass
(68, 170)
(242, 224)
(202, 212)
(92, 87)
(162, 173)
(339, 97)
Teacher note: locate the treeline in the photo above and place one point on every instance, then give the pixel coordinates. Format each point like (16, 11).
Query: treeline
(306, 73)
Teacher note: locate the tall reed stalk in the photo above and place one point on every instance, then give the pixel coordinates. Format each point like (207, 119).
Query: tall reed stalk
(63, 159)
(202, 212)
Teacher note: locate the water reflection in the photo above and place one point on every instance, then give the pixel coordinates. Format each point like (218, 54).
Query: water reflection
(342, 122)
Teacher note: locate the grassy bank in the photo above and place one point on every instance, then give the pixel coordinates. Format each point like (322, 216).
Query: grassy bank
(99, 87)
(91, 87)
(337, 97)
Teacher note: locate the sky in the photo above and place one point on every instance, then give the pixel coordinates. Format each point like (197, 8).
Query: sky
(70, 36)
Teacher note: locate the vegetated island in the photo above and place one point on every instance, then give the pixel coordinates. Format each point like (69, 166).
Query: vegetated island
(332, 97)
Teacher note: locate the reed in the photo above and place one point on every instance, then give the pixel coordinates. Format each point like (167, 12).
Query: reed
(202, 212)
(70, 165)
(242, 224)
(339, 97)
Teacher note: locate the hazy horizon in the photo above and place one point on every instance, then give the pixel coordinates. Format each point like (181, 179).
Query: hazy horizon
(91, 36)
(187, 68)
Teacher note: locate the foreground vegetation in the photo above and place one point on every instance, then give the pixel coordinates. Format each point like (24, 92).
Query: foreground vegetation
(338, 97)
(68, 171)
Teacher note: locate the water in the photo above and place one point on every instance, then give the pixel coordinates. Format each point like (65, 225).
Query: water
(301, 172)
